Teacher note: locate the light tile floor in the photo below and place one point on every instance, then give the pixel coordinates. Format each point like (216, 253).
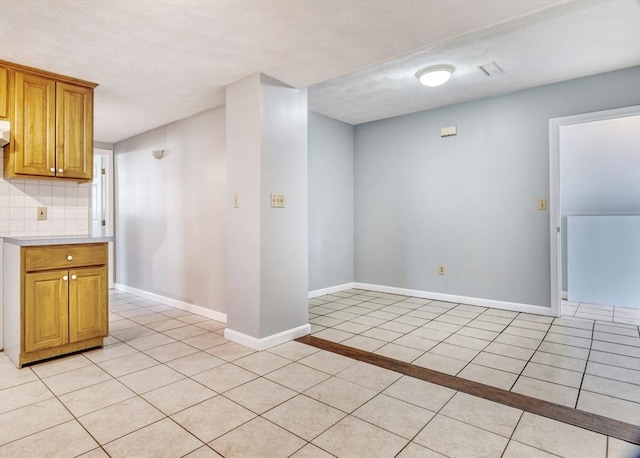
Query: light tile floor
(167, 384)
(589, 361)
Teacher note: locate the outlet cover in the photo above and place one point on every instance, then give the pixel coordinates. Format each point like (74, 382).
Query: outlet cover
(542, 204)
(277, 200)
(42, 213)
(442, 270)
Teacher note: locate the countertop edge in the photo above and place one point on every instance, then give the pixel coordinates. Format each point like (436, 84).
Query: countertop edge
(53, 240)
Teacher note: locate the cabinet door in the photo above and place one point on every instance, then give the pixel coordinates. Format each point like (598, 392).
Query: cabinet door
(4, 93)
(74, 131)
(46, 321)
(88, 304)
(34, 126)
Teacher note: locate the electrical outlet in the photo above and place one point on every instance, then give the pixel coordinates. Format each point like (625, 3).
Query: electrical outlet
(277, 200)
(236, 201)
(442, 270)
(42, 213)
(542, 204)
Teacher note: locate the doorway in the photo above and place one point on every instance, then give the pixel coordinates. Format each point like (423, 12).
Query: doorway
(102, 203)
(557, 225)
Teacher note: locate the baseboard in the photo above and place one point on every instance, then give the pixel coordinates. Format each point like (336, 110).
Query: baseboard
(330, 290)
(266, 342)
(490, 303)
(198, 310)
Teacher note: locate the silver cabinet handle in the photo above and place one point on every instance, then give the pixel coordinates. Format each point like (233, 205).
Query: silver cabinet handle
(52, 170)
(73, 277)
(69, 258)
(65, 278)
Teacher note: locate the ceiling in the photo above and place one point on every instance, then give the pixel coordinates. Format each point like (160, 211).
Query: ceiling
(158, 61)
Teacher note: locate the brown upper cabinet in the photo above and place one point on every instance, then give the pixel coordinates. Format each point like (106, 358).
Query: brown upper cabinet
(51, 120)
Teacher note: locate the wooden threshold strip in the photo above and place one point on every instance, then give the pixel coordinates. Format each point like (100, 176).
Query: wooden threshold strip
(593, 422)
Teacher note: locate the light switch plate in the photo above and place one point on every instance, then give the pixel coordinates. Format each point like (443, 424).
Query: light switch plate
(236, 201)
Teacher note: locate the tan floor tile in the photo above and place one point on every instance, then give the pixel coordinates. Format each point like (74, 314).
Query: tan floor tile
(608, 406)
(257, 437)
(522, 323)
(488, 376)
(399, 352)
(31, 419)
(559, 438)
(518, 341)
(416, 342)
(184, 332)
(613, 329)
(211, 325)
(571, 331)
(66, 439)
(395, 326)
(120, 419)
(553, 374)
(540, 389)
(203, 452)
(382, 334)
(418, 451)
(509, 350)
(454, 351)
(520, 450)
(293, 350)
(514, 330)
(150, 341)
(131, 333)
(485, 414)
(151, 378)
(564, 350)
(213, 418)
(325, 361)
(568, 340)
(479, 323)
(440, 363)
(477, 333)
(96, 397)
(420, 393)
(354, 438)
(503, 363)
(76, 379)
(456, 439)
(205, 341)
(563, 362)
(394, 415)
(369, 320)
(111, 352)
(311, 451)
(620, 449)
(613, 372)
(178, 396)
(149, 318)
(615, 360)
(12, 376)
(609, 347)
(127, 364)
(340, 394)
(166, 325)
(574, 323)
(614, 388)
(297, 377)
(193, 318)
(95, 453)
(466, 342)
(262, 363)
(304, 416)
(230, 351)
(23, 395)
(195, 363)
(60, 365)
(161, 439)
(369, 376)
(260, 395)
(368, 344)
(171, 351)
(351, 327)
(225, 377)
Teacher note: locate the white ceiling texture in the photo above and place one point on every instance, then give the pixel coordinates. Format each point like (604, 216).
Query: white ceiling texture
(158, 61)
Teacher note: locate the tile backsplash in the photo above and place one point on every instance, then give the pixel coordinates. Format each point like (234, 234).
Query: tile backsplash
(67, 204)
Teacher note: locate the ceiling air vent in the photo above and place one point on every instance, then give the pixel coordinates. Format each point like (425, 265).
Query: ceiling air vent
(491, 69)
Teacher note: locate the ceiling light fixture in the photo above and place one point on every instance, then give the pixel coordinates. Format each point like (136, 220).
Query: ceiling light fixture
(436, 75)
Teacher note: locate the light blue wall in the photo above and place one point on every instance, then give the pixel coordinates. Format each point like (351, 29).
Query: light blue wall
(468, 202)
(330, 202)
(604, 259)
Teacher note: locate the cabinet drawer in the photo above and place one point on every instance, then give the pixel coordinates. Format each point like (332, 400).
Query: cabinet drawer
(57, 256)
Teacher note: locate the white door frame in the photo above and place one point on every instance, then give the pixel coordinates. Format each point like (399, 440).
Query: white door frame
(554, 189)
(109, 216)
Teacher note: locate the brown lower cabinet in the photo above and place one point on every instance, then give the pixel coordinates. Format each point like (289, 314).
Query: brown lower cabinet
(63, 302)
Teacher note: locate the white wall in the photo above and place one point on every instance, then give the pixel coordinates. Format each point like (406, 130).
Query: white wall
(170, 213)
(330, 202)
(468, 202)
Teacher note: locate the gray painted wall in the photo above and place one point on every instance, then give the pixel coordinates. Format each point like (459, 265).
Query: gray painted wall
(330, 202)
(171, 220)
(599, 172)
(468, 202)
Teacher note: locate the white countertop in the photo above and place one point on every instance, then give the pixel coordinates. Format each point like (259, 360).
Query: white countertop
(57, 240)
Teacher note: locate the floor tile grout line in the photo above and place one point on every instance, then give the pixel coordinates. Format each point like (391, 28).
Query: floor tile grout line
(582, 419)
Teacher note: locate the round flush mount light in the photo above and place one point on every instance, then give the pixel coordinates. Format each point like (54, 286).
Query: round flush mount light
(436, 75)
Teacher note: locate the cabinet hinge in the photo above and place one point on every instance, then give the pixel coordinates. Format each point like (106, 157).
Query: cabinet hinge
(104, 171)
(103, 223)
